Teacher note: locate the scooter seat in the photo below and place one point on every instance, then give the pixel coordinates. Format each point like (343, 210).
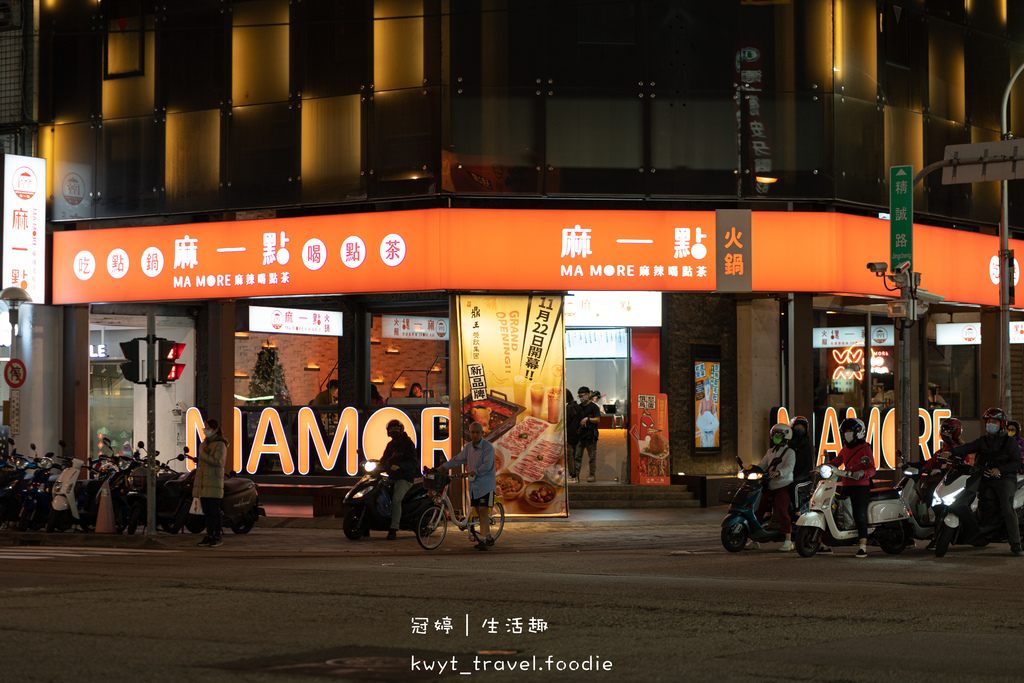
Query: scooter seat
(884, 494)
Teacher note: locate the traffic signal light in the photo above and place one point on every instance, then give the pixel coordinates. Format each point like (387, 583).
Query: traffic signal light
(167, 352)
(134, 370)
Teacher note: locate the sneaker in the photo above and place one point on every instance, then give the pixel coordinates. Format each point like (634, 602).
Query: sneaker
(861, 552)
(392, 535)
(482, 545)
(786, 547)
(216, 542)
(825, 550)
(591, 478)
(490, 542)
(1015, 551)
(752, 545)
(206, 542)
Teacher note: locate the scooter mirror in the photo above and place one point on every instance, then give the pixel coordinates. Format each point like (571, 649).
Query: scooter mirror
(185, 450)
(106, 441)
(32, 446)
(142, 444)
(61, 443)
(181, 456)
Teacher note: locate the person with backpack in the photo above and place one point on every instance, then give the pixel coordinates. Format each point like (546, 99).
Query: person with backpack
(573, 415)
(777, 465)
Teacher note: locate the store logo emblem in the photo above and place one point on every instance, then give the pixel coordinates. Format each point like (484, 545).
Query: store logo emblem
(879, 335)
(277, 319)
(993, 270)
(25, 183)
(970, 333)
(73, 189)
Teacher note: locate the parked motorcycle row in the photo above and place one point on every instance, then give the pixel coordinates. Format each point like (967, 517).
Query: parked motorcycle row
(897, 517)
(39, 492)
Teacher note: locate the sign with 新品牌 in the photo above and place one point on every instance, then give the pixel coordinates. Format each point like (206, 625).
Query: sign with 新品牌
(24, 262)
(276, 320)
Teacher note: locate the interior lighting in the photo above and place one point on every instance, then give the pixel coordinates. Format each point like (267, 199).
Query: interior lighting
(766, 179)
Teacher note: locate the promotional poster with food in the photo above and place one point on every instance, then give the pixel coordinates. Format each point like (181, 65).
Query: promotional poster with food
(649, 440)
(513, 360)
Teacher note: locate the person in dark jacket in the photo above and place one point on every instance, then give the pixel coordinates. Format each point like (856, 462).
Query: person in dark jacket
(803, 446)
(401, 462)
(997, 454)
(208, 485)
(573, 415)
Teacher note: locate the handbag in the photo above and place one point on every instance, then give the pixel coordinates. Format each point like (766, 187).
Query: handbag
(196, 508)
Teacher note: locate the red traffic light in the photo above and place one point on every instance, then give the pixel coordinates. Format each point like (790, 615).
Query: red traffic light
(168, 352)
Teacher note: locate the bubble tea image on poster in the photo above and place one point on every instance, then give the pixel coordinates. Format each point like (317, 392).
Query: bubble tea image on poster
(707, 399)
(513, 358)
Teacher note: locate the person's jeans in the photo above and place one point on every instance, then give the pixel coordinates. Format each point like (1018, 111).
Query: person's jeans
(860, 497)
(211, 510)
(401, 488)
(1004, 489)
(591, 448)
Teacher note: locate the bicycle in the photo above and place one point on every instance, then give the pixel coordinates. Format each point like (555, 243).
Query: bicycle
(432, 526)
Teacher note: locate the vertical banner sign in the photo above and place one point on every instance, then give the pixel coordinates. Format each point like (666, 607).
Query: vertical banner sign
(901, 215)
(513, 359)
(25, 225)
(734, 250)
(708, 401)
(651, 436)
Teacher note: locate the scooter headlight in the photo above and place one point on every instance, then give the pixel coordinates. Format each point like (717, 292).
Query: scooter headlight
(369, 465)
(754, 475)
(741, 475)
(949, 498)
(825, 471)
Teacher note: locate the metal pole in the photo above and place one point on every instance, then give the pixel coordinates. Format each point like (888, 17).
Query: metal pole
(906, 438)
(1005, 266)
(151, 423)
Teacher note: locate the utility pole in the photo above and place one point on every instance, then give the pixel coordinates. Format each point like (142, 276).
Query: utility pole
(1005, 266)
(151, 423)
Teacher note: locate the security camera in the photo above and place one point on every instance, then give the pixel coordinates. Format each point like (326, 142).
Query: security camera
(901, 268)
(877, 268)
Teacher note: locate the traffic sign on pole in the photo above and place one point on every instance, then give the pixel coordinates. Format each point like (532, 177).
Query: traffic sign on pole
(901, 216)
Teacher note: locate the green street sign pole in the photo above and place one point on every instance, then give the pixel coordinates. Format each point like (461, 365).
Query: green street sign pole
(901, 215)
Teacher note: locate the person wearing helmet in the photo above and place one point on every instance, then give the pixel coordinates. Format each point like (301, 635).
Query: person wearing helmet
(859, 462)
(1013, 429)
(777, 464)
(401, 462)
(997, 454)
(803, 446)
(934, 468)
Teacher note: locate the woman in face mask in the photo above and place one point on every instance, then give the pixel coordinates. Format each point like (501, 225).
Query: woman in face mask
(1013, 429)
(208, 485)
(857, 459)
(777, 464)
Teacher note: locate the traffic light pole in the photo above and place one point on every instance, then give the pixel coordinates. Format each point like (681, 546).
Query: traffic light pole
(151, 423)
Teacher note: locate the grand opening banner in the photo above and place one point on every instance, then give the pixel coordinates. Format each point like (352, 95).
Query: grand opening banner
(513, 360)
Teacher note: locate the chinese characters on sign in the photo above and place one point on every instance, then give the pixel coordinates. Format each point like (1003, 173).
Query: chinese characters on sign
(294, 321)
(735, 272)
(414, 328)
(708, 401)
(24, 207)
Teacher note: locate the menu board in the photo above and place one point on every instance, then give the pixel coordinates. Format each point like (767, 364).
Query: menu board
(513, 359)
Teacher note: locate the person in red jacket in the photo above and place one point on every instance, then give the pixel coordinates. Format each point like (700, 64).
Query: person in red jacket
(858, 460)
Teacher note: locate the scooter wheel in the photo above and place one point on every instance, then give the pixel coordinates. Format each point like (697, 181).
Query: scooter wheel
(59, 520)
(734, 537)
(196, 524)
(807, 540)
(246, 525)
(135, 518)
(351, 525)
(943, 538)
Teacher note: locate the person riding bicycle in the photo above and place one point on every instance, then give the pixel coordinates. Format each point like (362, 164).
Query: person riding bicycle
(478, 457)
(998, 456)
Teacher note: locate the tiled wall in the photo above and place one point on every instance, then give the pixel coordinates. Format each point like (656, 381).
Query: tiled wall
(411, 363)
(294, 354)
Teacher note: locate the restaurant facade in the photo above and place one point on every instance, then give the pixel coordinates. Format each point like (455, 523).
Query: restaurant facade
(697, 193)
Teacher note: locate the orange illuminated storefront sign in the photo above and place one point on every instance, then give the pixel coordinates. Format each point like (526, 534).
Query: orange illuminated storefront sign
(508, 250)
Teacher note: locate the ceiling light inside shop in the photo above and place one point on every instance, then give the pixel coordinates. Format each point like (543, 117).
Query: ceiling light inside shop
(766, 179)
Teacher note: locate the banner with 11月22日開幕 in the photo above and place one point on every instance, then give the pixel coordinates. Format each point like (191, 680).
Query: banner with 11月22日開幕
(513, 360)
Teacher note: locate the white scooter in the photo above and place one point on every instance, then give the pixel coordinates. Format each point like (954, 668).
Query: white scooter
(63, 498)
(887, 516)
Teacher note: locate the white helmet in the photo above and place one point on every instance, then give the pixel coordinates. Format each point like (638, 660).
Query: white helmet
(784, 429)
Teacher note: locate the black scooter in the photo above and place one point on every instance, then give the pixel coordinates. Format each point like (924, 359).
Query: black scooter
(240, 506)
(369, 504)
(959, 524)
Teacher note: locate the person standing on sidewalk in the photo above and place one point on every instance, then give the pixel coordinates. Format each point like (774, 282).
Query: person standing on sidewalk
(208, 485)
(573, 415)
(478, 457)
(587, 432)
(401, 462)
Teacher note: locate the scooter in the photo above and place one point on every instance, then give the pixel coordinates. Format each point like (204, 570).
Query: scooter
(959, 523)
(886, 514)
(138, 493)
(916, 491)
(35, 505)
(17, 483)
(369, 504)
(240, 506)
(78, 503)
(741, 521)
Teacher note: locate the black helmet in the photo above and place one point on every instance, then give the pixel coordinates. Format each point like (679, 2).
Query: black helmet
(852, 424)
(800, 420)
(952, 428)
(397, 424)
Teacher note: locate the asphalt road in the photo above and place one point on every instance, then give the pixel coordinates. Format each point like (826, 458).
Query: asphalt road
(651, 602)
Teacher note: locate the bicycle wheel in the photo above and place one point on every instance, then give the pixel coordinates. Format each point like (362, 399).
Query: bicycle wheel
(497, 519)
(431, 528)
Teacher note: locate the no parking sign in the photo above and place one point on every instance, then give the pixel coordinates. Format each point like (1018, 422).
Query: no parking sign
(15, 373)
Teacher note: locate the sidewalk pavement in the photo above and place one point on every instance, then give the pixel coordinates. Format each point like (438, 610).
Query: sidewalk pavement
(323, 534)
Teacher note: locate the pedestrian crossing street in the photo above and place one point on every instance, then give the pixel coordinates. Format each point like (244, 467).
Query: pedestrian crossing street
(59, 553)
